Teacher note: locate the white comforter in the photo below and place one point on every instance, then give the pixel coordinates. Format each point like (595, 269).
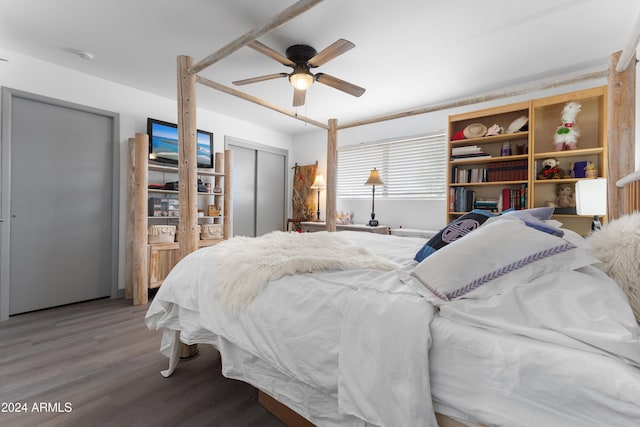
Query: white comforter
(308, 329)
(349, 347)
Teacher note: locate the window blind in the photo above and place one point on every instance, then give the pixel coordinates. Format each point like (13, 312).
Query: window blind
(410, 168)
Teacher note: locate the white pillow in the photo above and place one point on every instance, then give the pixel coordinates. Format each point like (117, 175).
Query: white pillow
(574, 238)
(528, 216)
(553, 223)
(501, 253)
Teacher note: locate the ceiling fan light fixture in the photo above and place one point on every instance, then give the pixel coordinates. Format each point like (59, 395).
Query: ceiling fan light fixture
(302, 58)
(301, 80)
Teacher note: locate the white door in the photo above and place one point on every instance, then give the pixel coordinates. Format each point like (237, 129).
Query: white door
(58, 201)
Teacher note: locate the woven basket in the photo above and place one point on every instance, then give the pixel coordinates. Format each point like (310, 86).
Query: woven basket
(211, 232)
(199, 230)
(161, 233)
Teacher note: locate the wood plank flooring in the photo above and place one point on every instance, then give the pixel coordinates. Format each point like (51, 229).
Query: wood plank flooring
(96, 364)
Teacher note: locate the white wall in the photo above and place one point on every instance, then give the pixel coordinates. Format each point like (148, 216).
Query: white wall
(430, 215)
(134, 106)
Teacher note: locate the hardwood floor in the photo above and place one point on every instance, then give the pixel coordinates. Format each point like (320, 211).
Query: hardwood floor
(96, 364)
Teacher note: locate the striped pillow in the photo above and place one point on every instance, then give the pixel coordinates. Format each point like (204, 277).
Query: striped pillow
(501, 253)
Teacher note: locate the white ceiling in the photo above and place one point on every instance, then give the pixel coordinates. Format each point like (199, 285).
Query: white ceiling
(408, 54)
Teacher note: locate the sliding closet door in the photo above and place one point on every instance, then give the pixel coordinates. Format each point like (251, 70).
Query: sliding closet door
(259, 188)
(244, 190)
(270, 195)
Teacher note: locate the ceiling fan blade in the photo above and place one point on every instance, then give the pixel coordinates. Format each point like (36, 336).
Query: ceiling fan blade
(266, 50)
(336, 83)
(260, 79)
(327, 54)
(298, 97)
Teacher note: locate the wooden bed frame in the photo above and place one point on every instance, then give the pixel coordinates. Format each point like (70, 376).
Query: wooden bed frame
(620, 123)
(293, 419)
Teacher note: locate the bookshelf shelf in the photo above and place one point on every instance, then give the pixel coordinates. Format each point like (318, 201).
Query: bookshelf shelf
(490, 139)
(489, 184)
(485, 160)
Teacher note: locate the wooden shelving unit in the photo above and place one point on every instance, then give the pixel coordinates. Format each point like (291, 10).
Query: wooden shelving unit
(533, 145)
(496, 173)
(151, 262)
(592, 146)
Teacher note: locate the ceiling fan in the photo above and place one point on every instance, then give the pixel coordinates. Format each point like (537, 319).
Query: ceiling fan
(302, 58)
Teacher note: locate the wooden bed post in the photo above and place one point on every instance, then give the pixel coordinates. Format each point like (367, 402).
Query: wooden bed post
(227, 209)
(131, 213)
(187, 159)
(621, 113)
(332, 160)
(140, 267)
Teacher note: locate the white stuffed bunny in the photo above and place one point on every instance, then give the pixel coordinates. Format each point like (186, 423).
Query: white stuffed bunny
(566, 136)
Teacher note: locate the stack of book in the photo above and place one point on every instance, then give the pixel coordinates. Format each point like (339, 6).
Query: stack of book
(461, 199)
(460, 175)
(514, 170)
(514, 198)
(466, 152)
(487, 205)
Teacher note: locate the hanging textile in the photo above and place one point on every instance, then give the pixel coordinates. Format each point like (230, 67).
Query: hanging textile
(302, 196)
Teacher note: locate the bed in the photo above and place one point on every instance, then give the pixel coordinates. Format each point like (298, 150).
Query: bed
(355, 329)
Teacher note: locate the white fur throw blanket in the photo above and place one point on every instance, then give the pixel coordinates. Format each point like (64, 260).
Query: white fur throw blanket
(617, 246)
(244, 265)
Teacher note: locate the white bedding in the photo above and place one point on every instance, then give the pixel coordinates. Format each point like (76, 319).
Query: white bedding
(345, 348)
(511, 380)
(295, 325)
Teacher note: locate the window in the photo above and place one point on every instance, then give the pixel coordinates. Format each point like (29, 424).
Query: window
(412, 168)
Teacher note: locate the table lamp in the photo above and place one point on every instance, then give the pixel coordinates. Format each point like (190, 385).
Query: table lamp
(374, 179)
(591, 199)
(318, 184)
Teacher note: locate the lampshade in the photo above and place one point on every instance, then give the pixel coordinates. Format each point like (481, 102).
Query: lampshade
(374, 178)
(591, 197)
(301, 80)
(318, 182)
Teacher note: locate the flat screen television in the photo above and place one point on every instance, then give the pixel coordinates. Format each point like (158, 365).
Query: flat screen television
(163, 144)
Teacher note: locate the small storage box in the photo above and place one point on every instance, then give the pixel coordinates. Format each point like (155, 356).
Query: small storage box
(211, 232)
(162, 233)
(159, 206)
(212, 210)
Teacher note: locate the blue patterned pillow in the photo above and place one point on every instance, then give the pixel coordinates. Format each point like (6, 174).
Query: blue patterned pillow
(456, 229)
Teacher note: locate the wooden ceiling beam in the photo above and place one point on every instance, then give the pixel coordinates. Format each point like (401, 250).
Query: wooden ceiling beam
(475, 100)
(280, 19)
(629, 52)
